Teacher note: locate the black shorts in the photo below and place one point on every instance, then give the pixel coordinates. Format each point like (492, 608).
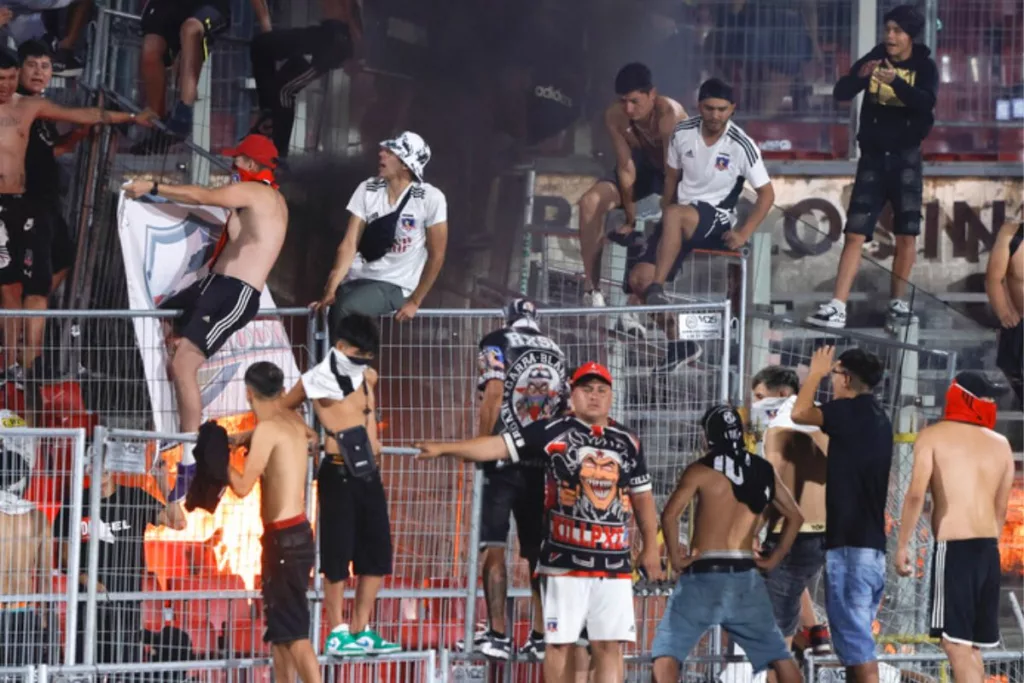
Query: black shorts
(650, 180)
(796, 572)
(713, 223)
(354, 524)
(1010, 357)
(517, 490)
(25, 243)
(165, 17)
(965, 592)
(289, 553)
(214, 308)
(21, 632)
(887, 178)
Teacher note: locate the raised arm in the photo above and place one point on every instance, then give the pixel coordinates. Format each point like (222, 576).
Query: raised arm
(804, 410)
(230, 196)
(995, 277)
(47, 109)
(913, 499)
(262, 12)
(848, 86)
(263, 442)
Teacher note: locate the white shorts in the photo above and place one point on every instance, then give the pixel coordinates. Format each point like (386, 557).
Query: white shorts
(603, 606)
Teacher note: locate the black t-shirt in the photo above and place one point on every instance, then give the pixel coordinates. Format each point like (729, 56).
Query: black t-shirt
(42, 175)
(124, 517)
(591, 472)
(859, 460)
(532, 370)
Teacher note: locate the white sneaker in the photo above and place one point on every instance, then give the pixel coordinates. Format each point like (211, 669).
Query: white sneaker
(829, 316)
(594, 299)
(897, 316)
(629, 323)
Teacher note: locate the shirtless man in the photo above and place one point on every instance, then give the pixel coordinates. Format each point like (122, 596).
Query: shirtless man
(354, 526)
(25, 240)
(25, 563)
(1004, 282)
(797, 453)
(223, 302)
(278, 457)
(720, 580)
(640, 125)
(968, 468)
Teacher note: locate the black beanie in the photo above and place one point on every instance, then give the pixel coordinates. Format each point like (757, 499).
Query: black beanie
(908, 18)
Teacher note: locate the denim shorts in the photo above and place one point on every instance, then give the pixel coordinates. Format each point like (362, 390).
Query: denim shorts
(796, 572)
(738, 602)
(854, 582)
(893, 178)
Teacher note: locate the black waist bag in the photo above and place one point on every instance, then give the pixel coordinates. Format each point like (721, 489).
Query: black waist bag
(356, 452)
(379, 234)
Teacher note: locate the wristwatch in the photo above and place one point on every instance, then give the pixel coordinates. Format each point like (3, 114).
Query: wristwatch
(155, 189)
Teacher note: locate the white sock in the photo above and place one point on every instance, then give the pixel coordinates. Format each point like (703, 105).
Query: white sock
(188, 456)
(838, 305)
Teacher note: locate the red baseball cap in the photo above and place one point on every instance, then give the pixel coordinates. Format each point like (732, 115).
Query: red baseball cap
(259, 148)
(591, 369)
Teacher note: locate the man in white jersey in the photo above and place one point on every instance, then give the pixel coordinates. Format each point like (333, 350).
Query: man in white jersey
(397, 234)
(709, 159)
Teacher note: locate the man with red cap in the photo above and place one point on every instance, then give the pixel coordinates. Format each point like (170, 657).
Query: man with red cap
(595, 477)
(969, 470)
(223, 302)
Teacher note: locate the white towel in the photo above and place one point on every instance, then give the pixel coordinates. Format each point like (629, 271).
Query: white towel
(784, 418)
(321, 382)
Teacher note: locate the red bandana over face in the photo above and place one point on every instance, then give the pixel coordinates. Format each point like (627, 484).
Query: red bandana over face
(264, 175)
(963, 406)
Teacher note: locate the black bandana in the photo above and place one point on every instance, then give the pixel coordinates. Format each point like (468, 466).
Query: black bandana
(752, 478)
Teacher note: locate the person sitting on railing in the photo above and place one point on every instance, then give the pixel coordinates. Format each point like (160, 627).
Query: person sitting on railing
(640, 125)
(1004, 283)
(26, 561)
(124, 515)
(969, 470)
(328, 45)
(223, 302)
(279, 457)
(42, 175)
(25, 232)
(179, 31)
(720, 580)
(355, 530)
(397, 234)
(897, 114)
(709, 158)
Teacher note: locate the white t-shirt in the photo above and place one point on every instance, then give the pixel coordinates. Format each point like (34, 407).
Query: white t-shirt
(714, 174)
(404, 263)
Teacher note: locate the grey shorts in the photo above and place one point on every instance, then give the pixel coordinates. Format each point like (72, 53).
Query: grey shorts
(786, 583)
(369, 297)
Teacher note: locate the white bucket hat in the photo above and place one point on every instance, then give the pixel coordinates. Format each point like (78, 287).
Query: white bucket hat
(412, 150)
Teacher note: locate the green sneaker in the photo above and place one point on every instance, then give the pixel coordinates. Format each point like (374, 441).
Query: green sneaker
(341, 643)
(373, 643)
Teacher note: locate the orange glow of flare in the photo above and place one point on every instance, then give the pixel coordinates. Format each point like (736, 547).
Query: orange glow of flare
(1011, 542)
(236, 522)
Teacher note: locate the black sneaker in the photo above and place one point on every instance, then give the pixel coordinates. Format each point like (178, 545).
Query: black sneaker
(479, 638)
(655, 296)
(66, 64)
(496, 646)
(828, 316)
(533, 648)
(680, 353)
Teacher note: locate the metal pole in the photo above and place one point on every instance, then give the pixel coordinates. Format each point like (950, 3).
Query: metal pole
(931, 24)
(95, 491)
(524, 272)
(75, 547)
(741, 361)
(951, 362)
(474, 555)
(726, 315)
(865, 23)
